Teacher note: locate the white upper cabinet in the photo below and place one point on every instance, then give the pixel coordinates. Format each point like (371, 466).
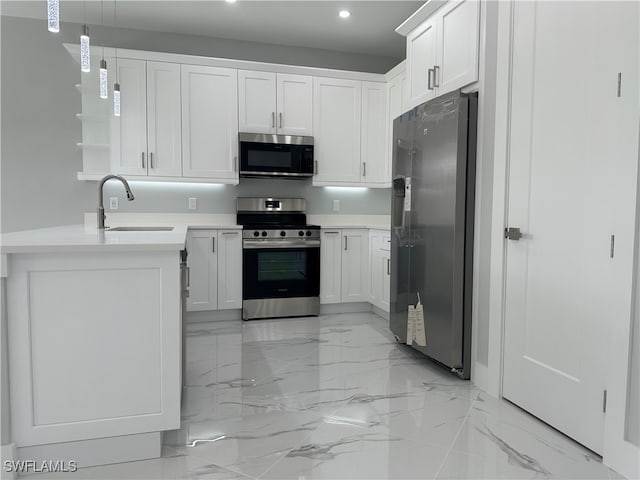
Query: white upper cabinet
(210, 123)
(421, 57)
(146, 137)
(336, 119)
(275, 103)
(129, 130)
(442, 52)
(396, 95)
(256, 101)
(376, 164)
(164, 139)
(294, 101)
(458, 41)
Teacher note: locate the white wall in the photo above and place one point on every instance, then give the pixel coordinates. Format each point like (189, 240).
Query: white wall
(39, 159)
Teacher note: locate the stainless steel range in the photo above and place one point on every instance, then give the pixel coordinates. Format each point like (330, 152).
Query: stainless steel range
(281, 258)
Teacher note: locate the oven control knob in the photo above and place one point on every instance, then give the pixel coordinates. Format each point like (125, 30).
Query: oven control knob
(264, 234)
(256, 234)
(301, 233)
(308, 233)
(283, 233)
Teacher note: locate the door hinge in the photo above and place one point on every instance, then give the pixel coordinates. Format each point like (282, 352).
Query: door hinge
(612, 248)
(619, 84)
(512, 233)
(604, 401)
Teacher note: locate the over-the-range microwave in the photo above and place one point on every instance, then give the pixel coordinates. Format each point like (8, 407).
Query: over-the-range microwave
(275, 155)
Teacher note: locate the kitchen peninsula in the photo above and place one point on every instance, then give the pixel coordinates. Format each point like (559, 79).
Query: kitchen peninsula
(94, 320)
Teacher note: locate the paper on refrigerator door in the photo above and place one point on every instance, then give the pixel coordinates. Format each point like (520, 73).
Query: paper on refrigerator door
(415, 325)
(407, 194)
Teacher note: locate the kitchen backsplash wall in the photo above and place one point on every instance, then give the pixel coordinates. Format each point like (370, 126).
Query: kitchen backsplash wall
(174, 197)
(39, 159)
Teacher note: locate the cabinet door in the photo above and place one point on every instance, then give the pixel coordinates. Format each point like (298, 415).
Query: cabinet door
(385, 294)
(330, 266)
(203, 270)
(229, 269)
(376, 163)
(355, 265)
(336, 126)
(164, 136)
(129, 130)
(256, 101)
(421, 57)
(375, 268)
(210, 123)
(458, 40)
(294, 104)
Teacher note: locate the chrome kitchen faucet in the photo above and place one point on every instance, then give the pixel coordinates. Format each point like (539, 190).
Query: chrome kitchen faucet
(101, 215)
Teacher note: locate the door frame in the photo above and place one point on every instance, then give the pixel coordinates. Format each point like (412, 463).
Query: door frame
(619, 454)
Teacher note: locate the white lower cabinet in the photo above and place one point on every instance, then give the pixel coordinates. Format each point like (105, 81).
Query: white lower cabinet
(380, 269)
(344, 265)
(215, 269)
(331, 266)
(229, 269)
(203, 270)
(355, 265)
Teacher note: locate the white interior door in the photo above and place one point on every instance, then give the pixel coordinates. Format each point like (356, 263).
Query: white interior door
(560, 279)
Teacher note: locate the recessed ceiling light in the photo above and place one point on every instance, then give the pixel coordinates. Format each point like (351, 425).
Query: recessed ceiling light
(230, 1)
(344, 14)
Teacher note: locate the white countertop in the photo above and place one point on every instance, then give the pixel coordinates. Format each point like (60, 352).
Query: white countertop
(81, 238)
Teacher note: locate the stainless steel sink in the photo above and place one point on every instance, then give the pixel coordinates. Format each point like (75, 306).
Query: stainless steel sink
(140, 229)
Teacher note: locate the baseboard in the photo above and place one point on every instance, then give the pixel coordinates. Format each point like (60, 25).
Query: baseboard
(214, 316)
(334, 308)
(98, 451)
(8, 454)
(380, 312)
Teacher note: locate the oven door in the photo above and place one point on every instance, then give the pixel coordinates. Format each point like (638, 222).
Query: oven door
(280, 269)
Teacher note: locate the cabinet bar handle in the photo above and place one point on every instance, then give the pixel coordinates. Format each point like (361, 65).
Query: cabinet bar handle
(213, 244)
(142, 159)
(345, 242)
(273, 119)
(230, 233)
(151, 159)
(188, 277)
(315, 167)
(332, 233)
(429, 72)
(364, 169)
(280, 115)
(436, 71)
(388, 266)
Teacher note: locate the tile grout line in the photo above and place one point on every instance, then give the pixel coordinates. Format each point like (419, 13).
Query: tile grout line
(466, 418)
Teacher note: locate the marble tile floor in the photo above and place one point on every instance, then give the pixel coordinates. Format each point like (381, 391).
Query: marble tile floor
(335, 397)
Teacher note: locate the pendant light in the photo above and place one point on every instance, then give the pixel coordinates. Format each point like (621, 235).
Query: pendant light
(53, 16)
(104, 81)
(85, 50)
(116, 86)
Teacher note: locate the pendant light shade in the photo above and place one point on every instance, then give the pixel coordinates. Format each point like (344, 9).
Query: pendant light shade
(85, 50)
(53, 16)
(104, 87)
(116, 99)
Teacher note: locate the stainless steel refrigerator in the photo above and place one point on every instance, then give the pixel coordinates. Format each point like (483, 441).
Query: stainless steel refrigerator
(434, 152)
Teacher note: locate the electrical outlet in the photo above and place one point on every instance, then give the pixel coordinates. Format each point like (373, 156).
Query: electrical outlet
(336, 205)
(113, 203)
(193, 202)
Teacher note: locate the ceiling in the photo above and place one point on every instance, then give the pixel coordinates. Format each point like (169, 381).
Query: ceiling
(313, 24)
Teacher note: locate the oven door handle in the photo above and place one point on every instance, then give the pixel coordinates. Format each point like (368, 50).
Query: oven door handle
(255, 244)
